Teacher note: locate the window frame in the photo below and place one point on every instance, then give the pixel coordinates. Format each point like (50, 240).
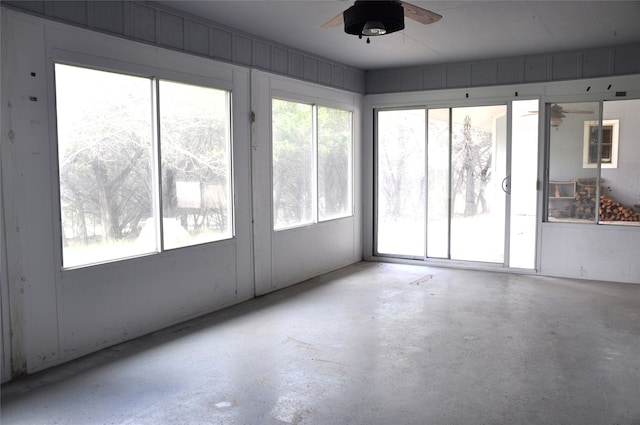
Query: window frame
(351, 168)
(230, 188)
(155, 74)
(595, 185)
(589, 127)
(315, 103)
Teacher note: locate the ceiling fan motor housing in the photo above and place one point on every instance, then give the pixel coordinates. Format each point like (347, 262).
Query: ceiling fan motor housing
(389, 13)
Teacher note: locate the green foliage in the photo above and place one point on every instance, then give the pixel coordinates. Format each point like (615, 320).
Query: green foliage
(292, 162)
(334, 162)
(294, 159)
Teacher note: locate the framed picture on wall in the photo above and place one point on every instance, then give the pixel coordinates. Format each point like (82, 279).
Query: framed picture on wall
(608, 149)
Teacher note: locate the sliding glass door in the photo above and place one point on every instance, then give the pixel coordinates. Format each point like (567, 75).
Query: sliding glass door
(439, 175)
(444, 183)
(401, 179)
(478, 168)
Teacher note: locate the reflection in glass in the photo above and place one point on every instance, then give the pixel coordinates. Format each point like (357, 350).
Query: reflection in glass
(572, 191)
(620, 187)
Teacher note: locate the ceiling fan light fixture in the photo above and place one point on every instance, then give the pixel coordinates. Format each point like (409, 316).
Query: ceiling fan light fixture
(556, 115)
(372, 18)
(373, 28)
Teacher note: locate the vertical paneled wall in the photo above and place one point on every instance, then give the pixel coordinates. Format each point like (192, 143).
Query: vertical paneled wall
(148, 23)
(603, 62)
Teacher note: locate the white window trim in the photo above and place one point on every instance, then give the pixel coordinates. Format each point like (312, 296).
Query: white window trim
(316, 102)
(615, 134)
(129, 58)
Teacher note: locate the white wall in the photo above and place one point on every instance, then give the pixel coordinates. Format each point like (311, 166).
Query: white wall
(289, 256)
(599, 252)
(603, 252)
(57, 315)
(623, 183)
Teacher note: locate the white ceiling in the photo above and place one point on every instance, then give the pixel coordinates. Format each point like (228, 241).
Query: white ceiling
(469, 30)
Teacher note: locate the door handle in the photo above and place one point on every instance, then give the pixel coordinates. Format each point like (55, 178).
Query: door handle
(506, 185)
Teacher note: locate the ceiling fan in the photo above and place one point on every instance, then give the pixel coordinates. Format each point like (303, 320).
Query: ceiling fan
(557, 113)
(379, 17)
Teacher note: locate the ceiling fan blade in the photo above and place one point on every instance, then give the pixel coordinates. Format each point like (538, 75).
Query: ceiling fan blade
(419, 14)
(574, 111)
(334, 22)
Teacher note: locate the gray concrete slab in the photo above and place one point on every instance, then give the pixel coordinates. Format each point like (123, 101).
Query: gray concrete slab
(368, 344)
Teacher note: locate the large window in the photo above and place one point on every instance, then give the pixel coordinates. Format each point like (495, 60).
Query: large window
(593, 156)
(312, 163)
(144, 164)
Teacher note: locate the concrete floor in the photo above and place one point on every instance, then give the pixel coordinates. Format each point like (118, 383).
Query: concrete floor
(368, 344)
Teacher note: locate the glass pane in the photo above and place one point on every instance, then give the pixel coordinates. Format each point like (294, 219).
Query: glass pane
(620, 187)
(401, 182)
(438, 175)
(196, 164)
(478, 169)
(572, 183)
(334, 163)
(104, 153)
(293, 162)
(524, 175)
